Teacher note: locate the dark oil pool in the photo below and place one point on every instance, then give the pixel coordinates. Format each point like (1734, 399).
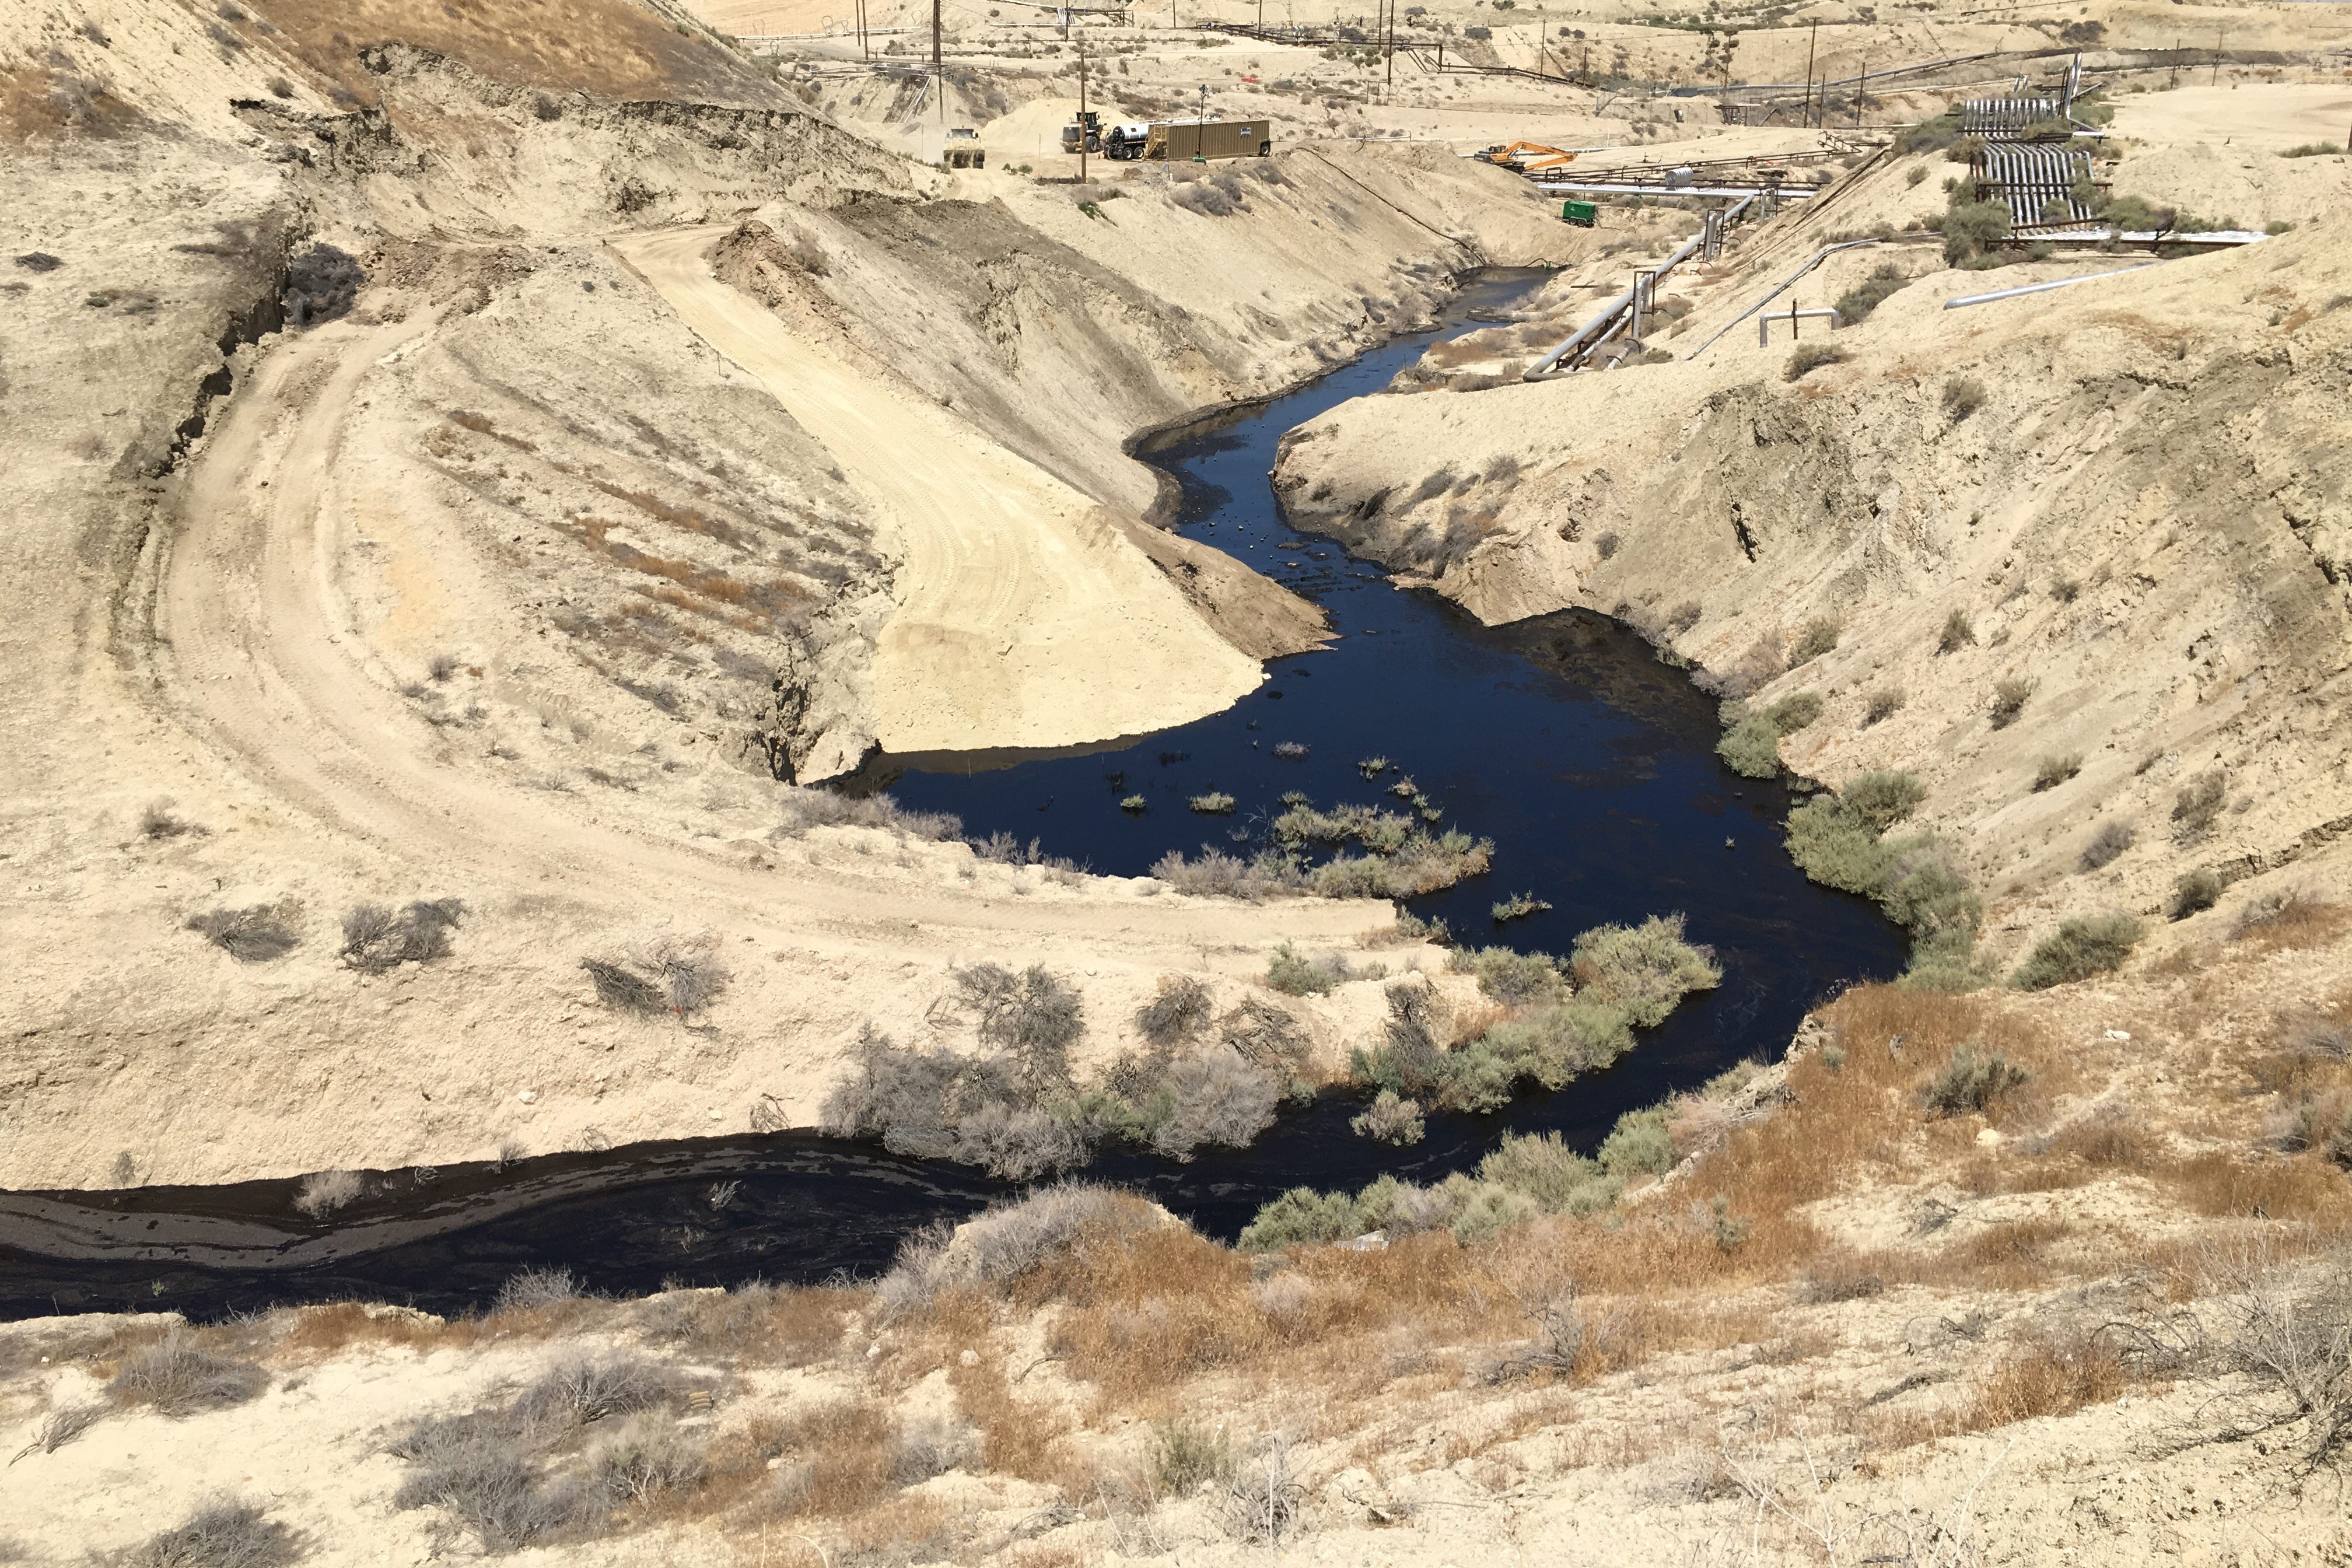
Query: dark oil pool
(1589, 764)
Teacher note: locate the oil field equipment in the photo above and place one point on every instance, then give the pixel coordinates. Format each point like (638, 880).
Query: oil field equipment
(1583, 214)
(1186, 141)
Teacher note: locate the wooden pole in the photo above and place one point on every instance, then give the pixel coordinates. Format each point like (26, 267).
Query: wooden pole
(1814, 33)
(1859, 91)
(1082, 111)
(2217, 56)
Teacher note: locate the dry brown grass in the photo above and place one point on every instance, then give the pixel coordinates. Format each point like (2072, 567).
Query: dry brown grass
(316, 1333)
(838, 1460)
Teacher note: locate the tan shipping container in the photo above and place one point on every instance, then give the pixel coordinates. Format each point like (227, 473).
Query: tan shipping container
(1183, 139)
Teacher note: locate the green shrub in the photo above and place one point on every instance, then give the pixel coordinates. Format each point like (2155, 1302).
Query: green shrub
(1646, 969)
(2078, 950)
(1929, 135)
(1293, 974)
(1810, 357)
(1188, 1452)
(1883, 705)
(2009, 695)
(1856, 303)
(1300, 1216)
(1516, 979)
(2055, 771)
(1882, 799)
(1752, 748)
(2199, 804)
(1971, 227)
(1390, 1119)
(1215, 804)
(1798, 710)
(1558, 1179)
(2195, 892)
(1835, 846)
(1638, 1146)
(1968, 1085)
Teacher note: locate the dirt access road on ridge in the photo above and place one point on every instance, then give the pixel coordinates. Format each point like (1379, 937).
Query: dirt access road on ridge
(1024, 617)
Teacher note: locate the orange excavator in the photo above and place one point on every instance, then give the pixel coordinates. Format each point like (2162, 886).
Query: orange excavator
(1527, 157)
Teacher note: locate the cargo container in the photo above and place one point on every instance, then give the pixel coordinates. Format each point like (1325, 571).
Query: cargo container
(1184, 140)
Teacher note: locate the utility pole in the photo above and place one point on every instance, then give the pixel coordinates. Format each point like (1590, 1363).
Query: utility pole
(1392, 52)
(1860, 90)
(2217, 55)
(1082, 109)
(938, 75)
(2175, 80)
(1812, 32)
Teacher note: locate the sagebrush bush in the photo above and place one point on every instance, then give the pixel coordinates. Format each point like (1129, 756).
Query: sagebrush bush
(2009, 698)
(1639, 1145)
(1293, 974)
(2051, 772)
(1884, 798)
(1188, 1452)
(1218, 874)
(1034, 1016)
(1214, 1099)
(2199, 804)
(1815, 638)
(2109, 842)
(533, 1288)
(178, 1376)
(1966, 1084)
(321, 283)
(1390, 1119)
(1523, 1177)
(1750, 747)
(1882, 705)
(2195, 891)
(1959, 632)
(1963, 395)
(1810, 357)
(2078, 950)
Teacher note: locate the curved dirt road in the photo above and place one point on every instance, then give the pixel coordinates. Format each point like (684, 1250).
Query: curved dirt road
(271, 664)
(1024, 617)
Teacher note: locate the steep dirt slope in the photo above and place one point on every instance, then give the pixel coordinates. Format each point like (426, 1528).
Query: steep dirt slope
(2131, 490)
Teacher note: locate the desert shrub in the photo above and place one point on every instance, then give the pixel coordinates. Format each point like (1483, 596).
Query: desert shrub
(1220, 874)
(1008, 1241)
(1751, 746)
(178, 1377)
(1856, 303)
(536, 1288)
(645, 1459)
(2110, 841)
(929, 1446)
(1963, 395)
(2055, 771)
(2077, 949)
(1683, 617)
(1541, 1168)
(584, 1387)
(1606, 544)
(618, 986)
(1810, 357)
(157, 821)
(1215, 804)
(1972, 227)
(802, 809)
(254, 934)
(2278, 1343)
(2194, 892)
(1293, 974)
(678, 975)
(1179, 1011)
(376, 939)
(1882, 799)
(1033, 1015)
(1930, 135)
(1215, 1098)
(323, 1192)
(1959, 632)
(1187, 1454)
(2199, 804)
(1516, 979)
(321, 284)
(1390, 1119)
(61, 1427)
(1966, 1084)
(1646, 969)
(2009, 695)
(222, 1532)
(1518, 906)
(475, 1468)
(1882, 705)
(1638, 1146)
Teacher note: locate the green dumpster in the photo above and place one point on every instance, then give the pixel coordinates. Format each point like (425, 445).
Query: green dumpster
(1580, 214)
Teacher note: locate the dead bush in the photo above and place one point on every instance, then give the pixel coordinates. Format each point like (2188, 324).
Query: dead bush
(376, 939)
(645, 1459)
(535, 1287)
(61, 1427)
(2280, 1345)
(2110, 841)
(321, 1192)
(224, 1533)
(179, 1377)
(582, 1386)
(1217, 1099)
(782, 1325)
(1179, 1011)
(255, 934)
(157, 821)
(2197, 803)
(685, 972)
(1967, 1085)
(1034, 1016)
(931, 1445)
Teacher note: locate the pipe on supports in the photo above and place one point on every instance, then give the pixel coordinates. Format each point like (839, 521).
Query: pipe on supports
(1958, 301)
(1764, 323)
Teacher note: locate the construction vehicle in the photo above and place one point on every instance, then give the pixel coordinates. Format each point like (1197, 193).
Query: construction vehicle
(1526, 157)
(962, 150)
(1186, 141)
(1089, 124)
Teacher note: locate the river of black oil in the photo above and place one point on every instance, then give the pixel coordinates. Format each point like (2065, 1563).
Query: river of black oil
(1562, 739)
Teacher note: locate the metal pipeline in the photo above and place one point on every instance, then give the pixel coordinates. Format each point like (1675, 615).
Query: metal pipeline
(1545, 368)
(1958, 301)
(1764, 323)
(1779, 289)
